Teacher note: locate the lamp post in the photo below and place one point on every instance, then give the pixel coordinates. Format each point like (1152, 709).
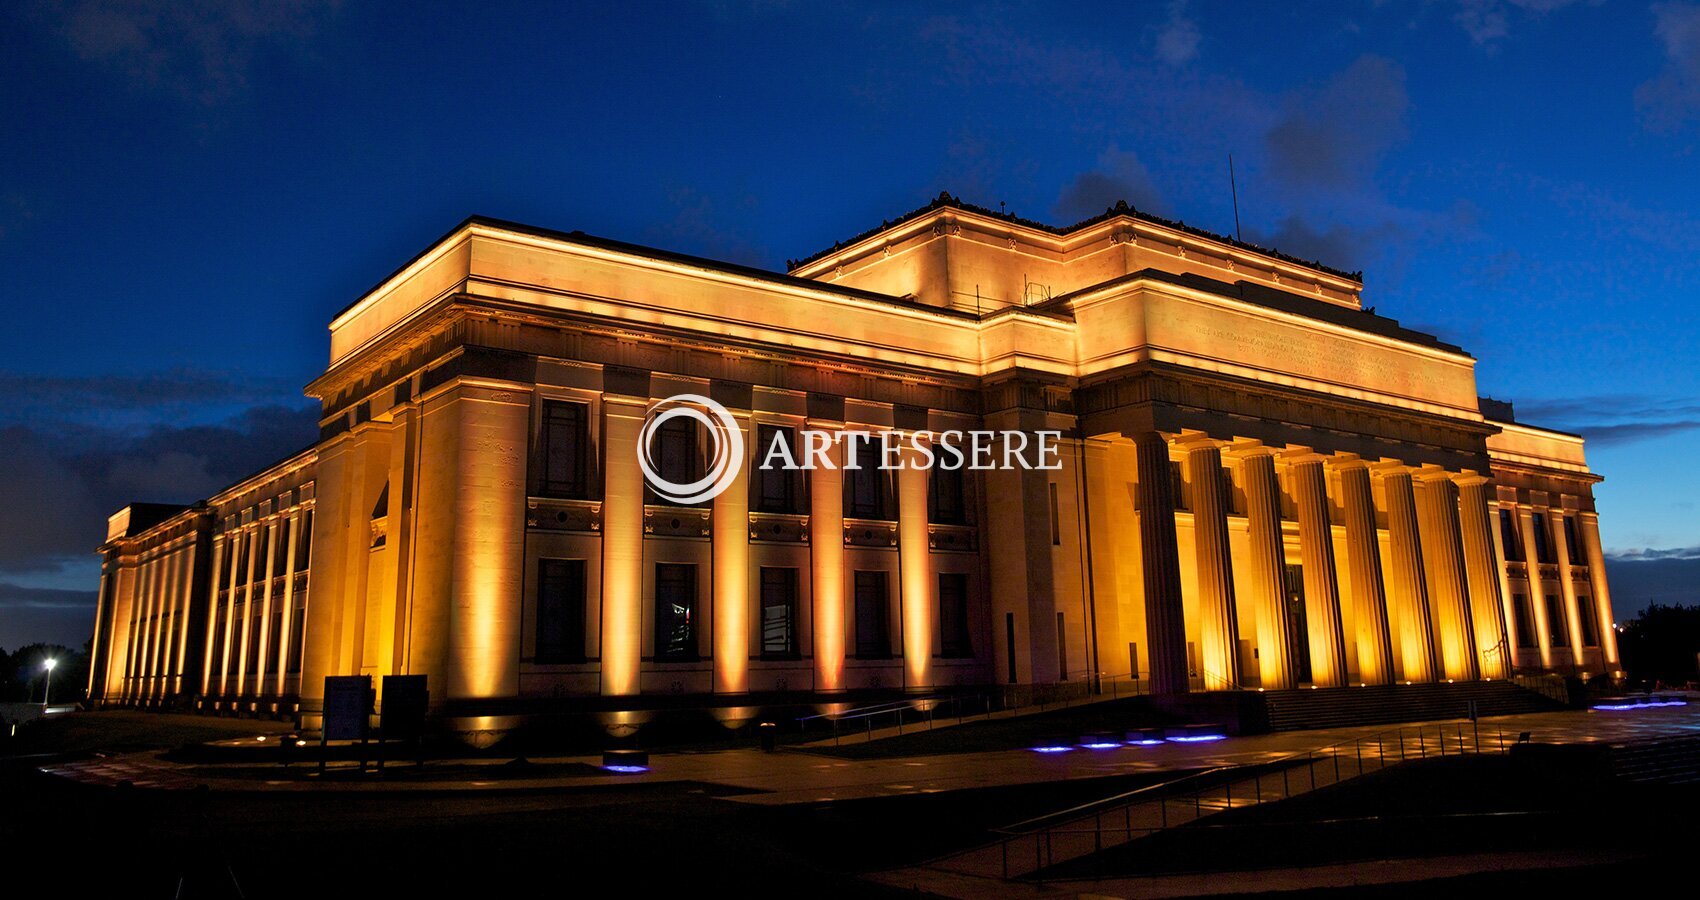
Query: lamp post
(47, 690)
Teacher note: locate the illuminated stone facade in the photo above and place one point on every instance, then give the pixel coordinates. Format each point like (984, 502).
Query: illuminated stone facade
(1263, 485)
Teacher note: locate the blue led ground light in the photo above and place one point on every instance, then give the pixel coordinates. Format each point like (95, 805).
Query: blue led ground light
(1640, 704)
(626, 770)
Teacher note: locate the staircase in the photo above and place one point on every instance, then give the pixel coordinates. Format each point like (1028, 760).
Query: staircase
(1390, 703)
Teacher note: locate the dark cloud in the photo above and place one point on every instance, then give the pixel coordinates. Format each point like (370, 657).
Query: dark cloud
(200, 50)
(1638, 581)
(1335, 136)
(1488, 21)
(1611, 419)
(1119, 176)
(1341, 246)
(45, 615)
(1671, 99)
(64, 476)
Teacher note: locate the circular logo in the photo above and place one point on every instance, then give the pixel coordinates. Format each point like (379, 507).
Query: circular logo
(725, 444)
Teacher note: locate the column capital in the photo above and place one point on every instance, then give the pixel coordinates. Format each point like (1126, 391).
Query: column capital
(1294, 456)
(1247, 448)
(1340, 462)
(1196, 440)
(1389, 467)
(1431, 474)
(1472, 479)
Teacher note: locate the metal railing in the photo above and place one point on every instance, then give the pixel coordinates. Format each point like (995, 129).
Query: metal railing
(1027, 849)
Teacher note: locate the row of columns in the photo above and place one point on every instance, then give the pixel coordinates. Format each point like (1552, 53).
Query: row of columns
(1438, 604)
(158, 627)
(1593, 557)
(231, 672)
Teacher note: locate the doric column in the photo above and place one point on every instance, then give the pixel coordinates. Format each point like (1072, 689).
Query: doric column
(1021, 559)
(826, 560)
(1219, 633)
(274, 532)
(1537, 590)
(915, 574)
(1266, 566)
(1487, 605)
(1590, 527)
(184, 604)
(1567, 586)
(731, 548)
(292, 547)
(622, 545)
(1165, 625)
(226, 650)
(1507, 614)
(1363, 559)
(1407, 591)
(1449, 592)
(1322, 585)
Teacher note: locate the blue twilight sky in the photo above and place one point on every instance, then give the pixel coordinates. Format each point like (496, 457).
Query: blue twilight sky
(189, 190)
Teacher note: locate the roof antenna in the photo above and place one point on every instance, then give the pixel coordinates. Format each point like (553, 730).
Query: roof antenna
(1234, 187)
(1000, 208)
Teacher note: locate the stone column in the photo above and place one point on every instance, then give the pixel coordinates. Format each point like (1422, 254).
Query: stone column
(1322, 585)
(291, 547)
(1449, 593)
(1363, 556)
(1266, 566)
(1020, 558)
(274, 532)
(1219, 634)
(1409, 593)
(1165, 625)
(1537, 590)
(1487, 605)
(622, 545)
(731, 527)
(826, 558)
(915, 574)
(1589, 524)
(1508, 614)
(1567, 586)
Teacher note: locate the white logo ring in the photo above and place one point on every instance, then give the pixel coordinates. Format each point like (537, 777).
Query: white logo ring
(726, 441)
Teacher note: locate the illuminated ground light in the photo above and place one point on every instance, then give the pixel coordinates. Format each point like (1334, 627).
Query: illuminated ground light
(625, 770)
(1102, 745)
(1640, 704)
(1146, 742)
(1198, 738)
(625, 762)
(1051, 748)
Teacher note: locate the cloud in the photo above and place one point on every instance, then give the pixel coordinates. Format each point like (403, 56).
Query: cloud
(201, 50)
(1672, 98)
(1613, 419)
(1488, 21)
(1647, 554)
(1120, 176)
(31, 615)
(1340, 246)
(1336, 135)
(186, 436)
(1177, 40)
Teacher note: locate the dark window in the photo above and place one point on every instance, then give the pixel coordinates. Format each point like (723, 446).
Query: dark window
(864, 485)
(1230, 501)
(1062, 649)
(1056, 517)
(564, 448)
(241, 570)
(1557, 633)
(1590, 620)
(873, 634)
(778, 613)
(560, 610)
(1509, 536)
(778, 490)
(675, 611)
(947, 496)
(254, 624)
(1177, 486)
(280, 556)
(1526, 638)
(304, 545)
(678, 452)
(218, 641)
(1009, 642)
(274, 662)
(1571, 544)
(1543, 540)
(953, 615)
(295, 649)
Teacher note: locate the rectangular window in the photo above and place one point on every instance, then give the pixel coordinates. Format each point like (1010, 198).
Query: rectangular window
(1177, 486)
(1589, 620)
(1526, 639)
(274, 637)
(873, 632)
(778, 490)
(947, 496)
(1557, 632)
(1571, 544)
(1509, 536)
(678, 453)
(1056, 518)
(564, 448)
(218, 639)
(560, 610)
(1543, 539)
(864, 485)
(304, 545)
(953, 616)
(1062, 649)
(295, 649)
(778, 613)
(675, 611)
(254, 624)
(1009, 642)
(1230, 500)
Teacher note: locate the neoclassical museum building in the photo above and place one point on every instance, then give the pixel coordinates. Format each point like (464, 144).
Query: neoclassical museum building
(1263, 484)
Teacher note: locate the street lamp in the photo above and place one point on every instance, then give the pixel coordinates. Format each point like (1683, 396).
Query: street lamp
(48, 664)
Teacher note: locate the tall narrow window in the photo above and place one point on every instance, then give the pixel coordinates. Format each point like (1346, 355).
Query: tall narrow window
(1589, 620)
(778, 489)
(304, 544)
(1526, 637)
(1056, 517)
(1571, 544)
(295, 626)
(1177, 486)
(947, 496)
(274, 637)
(778, 613)
(675, 612)
(678, 449)
(1062, 649)
(560, 611)
(1009, 643)
(1230, 500)
(565, 449)
(953, 615)
(1557, 634)
(1543, 539)
(1509, 536)
(864, 485)
(873, 632)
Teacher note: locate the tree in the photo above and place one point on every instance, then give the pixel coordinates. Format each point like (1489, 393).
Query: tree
(1661, 644)
(25, 675)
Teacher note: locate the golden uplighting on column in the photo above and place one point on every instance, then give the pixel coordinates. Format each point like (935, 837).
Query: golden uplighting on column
(622, 549)
(915, 565)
